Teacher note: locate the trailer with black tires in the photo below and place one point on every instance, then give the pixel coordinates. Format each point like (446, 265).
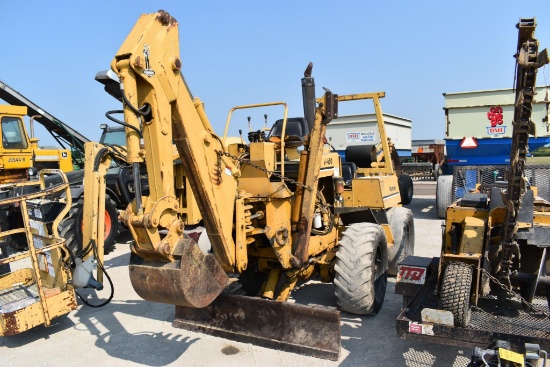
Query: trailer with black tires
(422, 318)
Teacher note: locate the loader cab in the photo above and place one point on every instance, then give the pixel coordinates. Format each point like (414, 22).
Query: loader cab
(119, 179)
(113, 135)
(15, 153)
(13, 133)
(20, 152)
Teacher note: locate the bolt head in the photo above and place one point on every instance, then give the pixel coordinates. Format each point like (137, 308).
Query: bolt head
(139, 63)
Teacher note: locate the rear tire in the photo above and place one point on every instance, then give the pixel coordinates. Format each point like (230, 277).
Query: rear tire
(361, 269)
(443, 194)
(402, 228)
(71, 226)
(405, 189)
(454, 295)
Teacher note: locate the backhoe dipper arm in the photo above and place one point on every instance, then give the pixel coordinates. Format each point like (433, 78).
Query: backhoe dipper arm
(159, 106)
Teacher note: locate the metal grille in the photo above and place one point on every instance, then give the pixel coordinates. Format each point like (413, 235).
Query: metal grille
(538, 176)
(46, 165)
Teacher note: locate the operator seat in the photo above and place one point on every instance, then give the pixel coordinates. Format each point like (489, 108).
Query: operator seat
(348, 172)
(296, 129)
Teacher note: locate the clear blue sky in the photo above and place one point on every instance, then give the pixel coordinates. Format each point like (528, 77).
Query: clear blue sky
(242, 52)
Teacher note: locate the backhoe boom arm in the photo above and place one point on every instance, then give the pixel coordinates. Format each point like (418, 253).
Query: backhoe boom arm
(160, 106)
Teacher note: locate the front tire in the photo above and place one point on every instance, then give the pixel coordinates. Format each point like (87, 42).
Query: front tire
(361, 269)
(402, 228)
(71, 226)
(454, 295)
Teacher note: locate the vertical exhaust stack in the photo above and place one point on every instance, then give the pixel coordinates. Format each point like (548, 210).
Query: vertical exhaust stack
(308, 95)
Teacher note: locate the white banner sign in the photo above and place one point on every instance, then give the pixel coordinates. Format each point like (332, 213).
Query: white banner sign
(364, 137)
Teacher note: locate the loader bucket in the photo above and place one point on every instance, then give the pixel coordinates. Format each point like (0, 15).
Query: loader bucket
(312, 331)
(194, 280)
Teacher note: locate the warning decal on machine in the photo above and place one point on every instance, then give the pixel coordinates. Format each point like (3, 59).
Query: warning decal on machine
(411, 274)
(416, 328)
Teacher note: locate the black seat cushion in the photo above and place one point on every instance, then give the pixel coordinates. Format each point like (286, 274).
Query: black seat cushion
(296, 129)
(348, 172)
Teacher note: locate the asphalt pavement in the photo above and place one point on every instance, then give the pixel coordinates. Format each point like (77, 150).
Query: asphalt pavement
(132, 332)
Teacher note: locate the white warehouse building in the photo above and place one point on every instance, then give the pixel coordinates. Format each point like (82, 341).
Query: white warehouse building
(362, 129)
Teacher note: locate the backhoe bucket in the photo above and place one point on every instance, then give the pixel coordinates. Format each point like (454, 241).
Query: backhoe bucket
(312, 331)
(194, 280)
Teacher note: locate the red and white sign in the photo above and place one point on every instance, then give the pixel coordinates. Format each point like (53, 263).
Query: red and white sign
(495, 116)
(497, 130)
(468, 143)
(411, 274)
(415, 328)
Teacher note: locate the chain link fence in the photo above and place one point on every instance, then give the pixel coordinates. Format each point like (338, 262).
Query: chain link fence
(465, 178)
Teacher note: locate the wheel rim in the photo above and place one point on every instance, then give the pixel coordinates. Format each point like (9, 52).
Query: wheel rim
(107, 225)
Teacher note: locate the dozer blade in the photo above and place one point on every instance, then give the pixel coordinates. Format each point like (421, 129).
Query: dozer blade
(195, 280)
(312, 331)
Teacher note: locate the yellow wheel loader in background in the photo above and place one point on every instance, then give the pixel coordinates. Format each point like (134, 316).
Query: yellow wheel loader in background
(276, 210)
(21, 158)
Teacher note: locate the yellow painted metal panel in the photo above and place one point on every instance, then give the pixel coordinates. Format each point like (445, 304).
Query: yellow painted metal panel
(13, 110)
(376, 192)
(472, 237)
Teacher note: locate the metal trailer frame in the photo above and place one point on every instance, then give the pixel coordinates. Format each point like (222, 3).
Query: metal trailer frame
(488, 323)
